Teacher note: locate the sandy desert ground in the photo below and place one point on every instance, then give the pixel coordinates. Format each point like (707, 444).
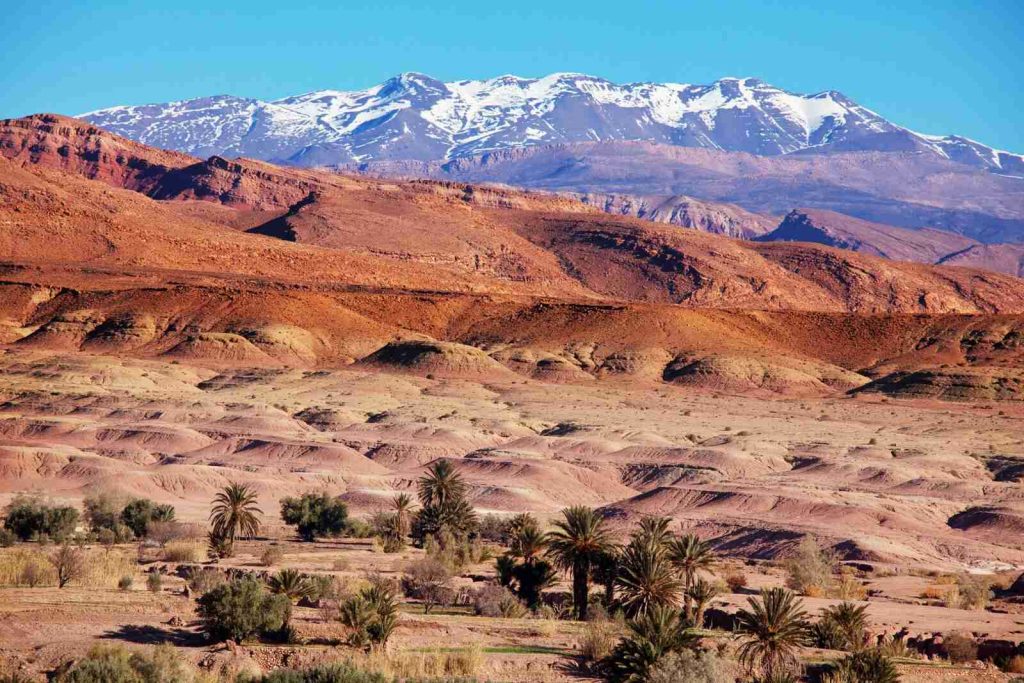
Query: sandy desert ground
(906, 490)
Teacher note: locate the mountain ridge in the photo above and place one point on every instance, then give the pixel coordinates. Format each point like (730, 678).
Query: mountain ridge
(415, 117)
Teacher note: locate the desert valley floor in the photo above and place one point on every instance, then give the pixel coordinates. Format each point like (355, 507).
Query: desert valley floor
(171, 325)
(896, 485)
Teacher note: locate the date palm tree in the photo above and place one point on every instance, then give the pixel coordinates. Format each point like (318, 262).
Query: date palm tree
(646, 579)
(773, 628)
(441, 485)
(528, 542)
(700, 595)
(654, 531)
(650, 637)
(235, 513)
(402, 505)
(576, 543)
(689, 554)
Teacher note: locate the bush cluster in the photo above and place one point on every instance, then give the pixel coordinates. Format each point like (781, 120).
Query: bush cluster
(30, 518)
(315, 515)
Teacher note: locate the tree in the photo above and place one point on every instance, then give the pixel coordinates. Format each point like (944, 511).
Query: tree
(774, 627)
(441, 485)
(866, 666)
(658, 632)
(315, 514)
(69, 563)
(140, 513)
(576, 544)
(689, 554)
(428, 580)
(653, 531)
(235, 513)
(527, 541)
(291, 583)
(530, 580)
(402, 507)
(699, 595)
(646, 578)
(242, 609)
(446, 512)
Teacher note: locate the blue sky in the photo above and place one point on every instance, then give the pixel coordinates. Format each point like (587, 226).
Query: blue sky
(938, 66)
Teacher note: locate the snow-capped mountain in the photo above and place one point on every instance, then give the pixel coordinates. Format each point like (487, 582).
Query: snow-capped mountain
(416, 117)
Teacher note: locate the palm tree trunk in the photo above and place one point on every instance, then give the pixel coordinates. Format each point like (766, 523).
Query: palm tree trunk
(580, 581)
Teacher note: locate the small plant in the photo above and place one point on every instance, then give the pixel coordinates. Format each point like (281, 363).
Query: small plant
(7, 538)
(125, 583)
(183, 551)
(271, 555)
(290, 583)
(202, 579)
(975, 591)
(598, 640)
(154, 581)
(692, 666)
(810, 569)
(960, 647)
(736, 581)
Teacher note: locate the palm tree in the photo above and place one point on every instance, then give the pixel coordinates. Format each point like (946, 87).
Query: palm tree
(235, 513)
(402, 505)
(528, 542)
(851, 621)
(689, 554)
(575, 545)
(291, 583)
(774, 627)
(654, 531)
(700, 595)
(645, 578)
(650, 637)
(441, 485)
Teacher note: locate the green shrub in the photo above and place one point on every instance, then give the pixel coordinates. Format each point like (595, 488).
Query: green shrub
(154, 581)
(29, 518)
(243, 609)
(315, 514)
(125, 583)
